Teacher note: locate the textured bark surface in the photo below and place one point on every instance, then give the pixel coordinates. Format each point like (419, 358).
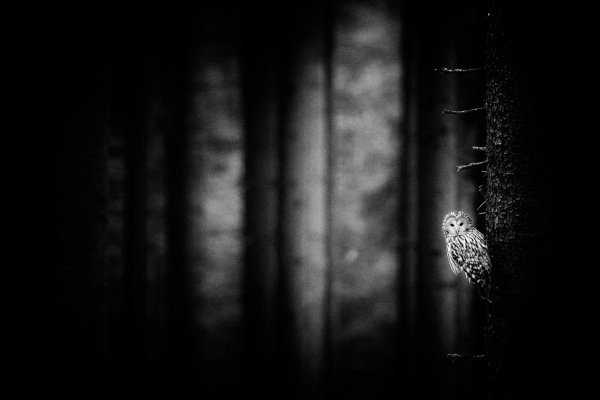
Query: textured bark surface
(523, 345)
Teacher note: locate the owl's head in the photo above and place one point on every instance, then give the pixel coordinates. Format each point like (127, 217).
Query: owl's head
(456, 223)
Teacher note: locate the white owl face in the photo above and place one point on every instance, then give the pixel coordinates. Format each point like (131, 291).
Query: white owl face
(456, 223)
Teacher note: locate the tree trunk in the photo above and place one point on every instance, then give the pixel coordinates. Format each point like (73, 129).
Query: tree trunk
(523, 344)
(303, 195)
(215, 160)
(367, 115)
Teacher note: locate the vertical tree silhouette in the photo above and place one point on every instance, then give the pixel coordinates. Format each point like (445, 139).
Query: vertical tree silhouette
(525, 347)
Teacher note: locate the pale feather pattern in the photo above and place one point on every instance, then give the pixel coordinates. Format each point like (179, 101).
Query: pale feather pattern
(467, 252)
(453, 265)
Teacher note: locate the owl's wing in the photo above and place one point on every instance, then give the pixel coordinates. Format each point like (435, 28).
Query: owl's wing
(483, 253)
(479, 274)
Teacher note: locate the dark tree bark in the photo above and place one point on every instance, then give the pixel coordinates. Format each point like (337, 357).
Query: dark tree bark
(525, 348)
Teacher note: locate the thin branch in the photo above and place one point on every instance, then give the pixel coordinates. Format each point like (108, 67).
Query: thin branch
(459, 356)
(479, 148)
(454, 357)
(472, 110)
(470, 165)
(481, 205)
(457, 70)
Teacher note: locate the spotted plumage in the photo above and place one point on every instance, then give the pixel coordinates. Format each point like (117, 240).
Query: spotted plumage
(467, 251)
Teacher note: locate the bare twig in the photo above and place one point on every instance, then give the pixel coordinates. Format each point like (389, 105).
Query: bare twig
(472, 110)
(457, 70)
(473, 164)
(479, 148)
(454, 357)
(481, 205)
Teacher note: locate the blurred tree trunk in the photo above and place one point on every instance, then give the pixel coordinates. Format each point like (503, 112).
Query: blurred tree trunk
(145, 102)
(303, 191)
(524, 348)
(214, 161)
(366, 119)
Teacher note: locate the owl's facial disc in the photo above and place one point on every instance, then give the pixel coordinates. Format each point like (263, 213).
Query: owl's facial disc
(456, 223)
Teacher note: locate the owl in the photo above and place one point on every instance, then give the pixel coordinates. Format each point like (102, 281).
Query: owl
(467, 251)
